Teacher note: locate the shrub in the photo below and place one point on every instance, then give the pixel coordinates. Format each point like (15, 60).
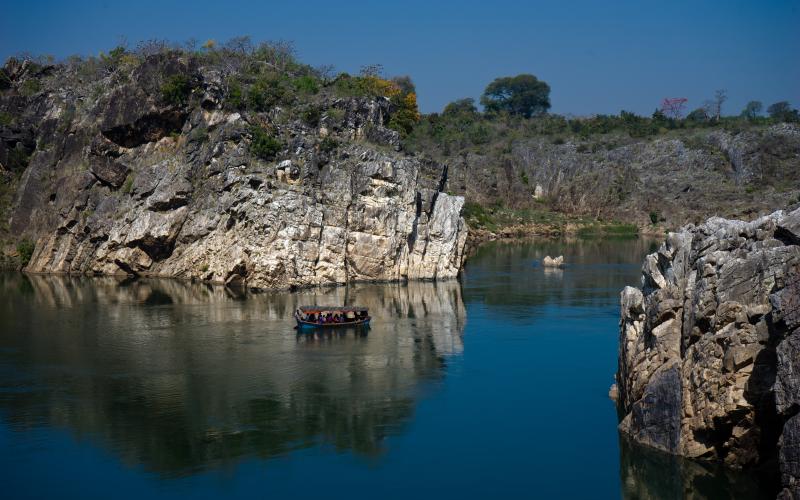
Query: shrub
(176, 90)
(199, 134)
(268, 91)
(328, 144)
(306, 84)
(653, 217)
(234, 97)
(311, 115)
(264, 145)
(18, 158)
(5, 81)
(30, 87)
(6, 118)
(128, 185)
(25, 250)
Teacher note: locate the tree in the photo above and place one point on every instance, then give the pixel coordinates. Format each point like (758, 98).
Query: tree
(672, 107)
(464, 106)
(720, 96)
(752, 110)
(699, 115)
(523, 95)
(405, 84)
(782, 111)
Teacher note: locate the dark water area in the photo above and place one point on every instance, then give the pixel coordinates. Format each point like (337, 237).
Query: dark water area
(492, 386)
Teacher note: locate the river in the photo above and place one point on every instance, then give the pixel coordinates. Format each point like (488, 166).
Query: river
(492, 386)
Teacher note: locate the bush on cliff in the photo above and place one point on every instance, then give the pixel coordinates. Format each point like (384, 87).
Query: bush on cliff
(264, 145)
(176, 90)
(25, 250)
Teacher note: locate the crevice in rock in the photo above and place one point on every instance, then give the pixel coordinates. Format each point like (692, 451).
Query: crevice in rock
(148, 128)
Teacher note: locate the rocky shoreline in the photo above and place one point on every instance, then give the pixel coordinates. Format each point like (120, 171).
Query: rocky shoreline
(709, 347)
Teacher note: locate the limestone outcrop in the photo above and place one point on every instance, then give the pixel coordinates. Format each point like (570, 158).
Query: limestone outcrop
(709, 347)
(131, 182)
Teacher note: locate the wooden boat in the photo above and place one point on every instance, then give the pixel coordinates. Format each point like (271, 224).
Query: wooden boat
(326, 316)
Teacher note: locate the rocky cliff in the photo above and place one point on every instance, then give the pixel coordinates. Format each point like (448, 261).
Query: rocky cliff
(709, 347)
(147, 168)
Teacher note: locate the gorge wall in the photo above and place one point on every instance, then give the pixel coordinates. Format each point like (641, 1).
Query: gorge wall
(709, 347)
(122, 179)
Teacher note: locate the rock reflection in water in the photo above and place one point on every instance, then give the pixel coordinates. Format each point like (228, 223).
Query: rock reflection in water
(648, 474)
(182, 377)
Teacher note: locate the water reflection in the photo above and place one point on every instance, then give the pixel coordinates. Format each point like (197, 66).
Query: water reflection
(648, 474)
(183, 377)
(509, 275)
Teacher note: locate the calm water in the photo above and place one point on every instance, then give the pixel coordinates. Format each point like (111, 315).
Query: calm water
(494, 386)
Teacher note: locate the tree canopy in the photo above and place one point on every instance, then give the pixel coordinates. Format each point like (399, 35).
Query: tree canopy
(523, 95)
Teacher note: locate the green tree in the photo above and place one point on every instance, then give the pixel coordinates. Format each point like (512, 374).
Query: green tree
(752, 110)
(699, 115)
(523, 95)
(461, 107)
(782, 111)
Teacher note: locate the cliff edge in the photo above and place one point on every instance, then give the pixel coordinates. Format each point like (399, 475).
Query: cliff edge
(153, 167)
(709, 347)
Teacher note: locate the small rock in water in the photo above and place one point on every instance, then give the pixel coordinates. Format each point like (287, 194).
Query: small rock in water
(553, 262)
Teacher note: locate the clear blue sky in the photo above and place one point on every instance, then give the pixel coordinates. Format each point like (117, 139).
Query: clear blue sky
(598, 56)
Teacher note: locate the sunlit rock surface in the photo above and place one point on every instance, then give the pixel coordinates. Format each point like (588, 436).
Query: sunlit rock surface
(709, 348)
(127, 183)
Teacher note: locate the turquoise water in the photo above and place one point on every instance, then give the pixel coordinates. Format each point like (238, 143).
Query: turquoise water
(494, 386)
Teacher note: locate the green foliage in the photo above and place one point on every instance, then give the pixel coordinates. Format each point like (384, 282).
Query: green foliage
(25, 250)
(127, 186)
(311, 115)
(199, 134)
(30, 87)
(653, 218)
(328, 144)
(752, 110)
(698, 116)
(5, 80)
(18, 158)
(176, 90)
(335, 116)
(461, 108)
(524, 177)
(269, 90)
(306, 84)
(234, 97)
(782, 111)
(523, 95)
(264, 145)
(6, 119)
(476, 214)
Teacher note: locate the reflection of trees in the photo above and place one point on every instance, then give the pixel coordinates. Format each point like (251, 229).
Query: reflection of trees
(508, 274)
(182, 376)
(651, 474)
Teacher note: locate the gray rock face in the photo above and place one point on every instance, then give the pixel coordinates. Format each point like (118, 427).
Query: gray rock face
(709, 348)
(141, 186)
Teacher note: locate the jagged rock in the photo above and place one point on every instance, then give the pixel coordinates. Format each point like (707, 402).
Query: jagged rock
(109, 171)
(709, 350)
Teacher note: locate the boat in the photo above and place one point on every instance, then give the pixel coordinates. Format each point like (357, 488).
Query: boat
(326, 316)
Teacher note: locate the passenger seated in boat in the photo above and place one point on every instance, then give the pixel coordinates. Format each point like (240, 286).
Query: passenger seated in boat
(312, 318)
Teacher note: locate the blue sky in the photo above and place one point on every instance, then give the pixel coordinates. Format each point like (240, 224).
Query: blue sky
(598, 56)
